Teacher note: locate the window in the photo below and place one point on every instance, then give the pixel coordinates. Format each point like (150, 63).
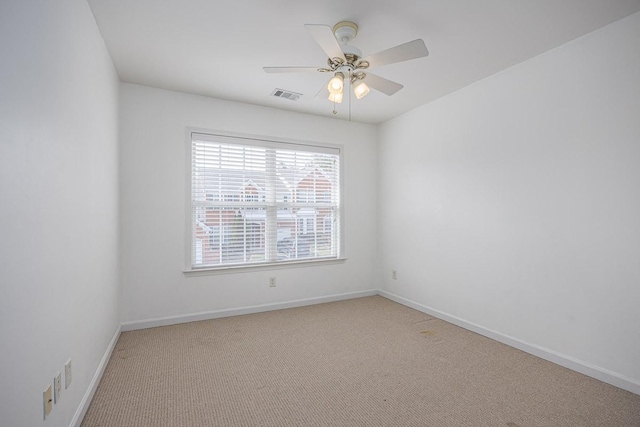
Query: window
(256, 202)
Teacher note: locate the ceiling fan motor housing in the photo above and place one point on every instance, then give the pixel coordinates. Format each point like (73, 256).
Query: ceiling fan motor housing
(345, 31)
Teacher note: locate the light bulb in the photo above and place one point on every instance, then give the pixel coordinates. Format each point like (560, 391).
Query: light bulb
(336, 97)
(360, 89)
(336, 83)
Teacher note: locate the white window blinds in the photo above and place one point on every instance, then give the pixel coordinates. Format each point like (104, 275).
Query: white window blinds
(256, 201)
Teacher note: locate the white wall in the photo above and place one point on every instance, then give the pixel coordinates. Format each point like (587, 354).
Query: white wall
(59, 205)
(514, 204)
(154, 205)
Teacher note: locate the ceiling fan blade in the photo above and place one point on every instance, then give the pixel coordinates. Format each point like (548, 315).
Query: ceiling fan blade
(381, 84)
(289, 69)
(404, 52)
(323, 35)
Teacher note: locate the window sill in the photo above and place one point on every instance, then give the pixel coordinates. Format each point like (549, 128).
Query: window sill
(262, 267)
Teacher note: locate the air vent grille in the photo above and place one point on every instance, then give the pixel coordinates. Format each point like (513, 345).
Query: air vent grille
(286, 94)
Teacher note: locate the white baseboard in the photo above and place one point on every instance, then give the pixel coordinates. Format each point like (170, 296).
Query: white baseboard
(216, 314)
(585, 368)
(93, 385)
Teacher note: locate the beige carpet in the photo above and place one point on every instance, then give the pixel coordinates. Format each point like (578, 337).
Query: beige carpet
(362, 362)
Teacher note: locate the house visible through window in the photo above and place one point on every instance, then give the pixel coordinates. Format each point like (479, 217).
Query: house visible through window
(256, 201)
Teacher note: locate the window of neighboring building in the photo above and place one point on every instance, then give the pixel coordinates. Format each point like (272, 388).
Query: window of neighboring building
(293, 189)
(327, 224)
(305, 196)
(251, 197)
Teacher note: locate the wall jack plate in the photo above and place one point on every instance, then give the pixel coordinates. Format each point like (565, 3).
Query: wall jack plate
(272, 282)
(47, 401)
(67, 374)
(57, 387)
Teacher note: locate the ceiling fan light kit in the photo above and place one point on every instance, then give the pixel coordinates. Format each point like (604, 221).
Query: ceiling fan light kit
(346, 61)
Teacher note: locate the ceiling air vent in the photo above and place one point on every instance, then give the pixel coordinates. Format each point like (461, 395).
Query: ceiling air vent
(291, 96)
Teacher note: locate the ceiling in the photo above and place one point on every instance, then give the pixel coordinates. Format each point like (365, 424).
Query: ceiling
(218, 48)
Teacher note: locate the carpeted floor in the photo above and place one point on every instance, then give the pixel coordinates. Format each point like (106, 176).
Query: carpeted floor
(361, 362)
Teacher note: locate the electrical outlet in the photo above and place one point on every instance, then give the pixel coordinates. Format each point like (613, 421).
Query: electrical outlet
(394, 274)
(67, 374)
(272, 282)
(47, 401)
(57, 387)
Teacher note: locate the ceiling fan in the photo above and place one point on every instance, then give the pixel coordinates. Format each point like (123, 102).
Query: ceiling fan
(346, 62)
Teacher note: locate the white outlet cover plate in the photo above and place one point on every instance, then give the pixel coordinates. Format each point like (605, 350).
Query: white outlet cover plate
(57, 387)
(67, 374)
(47, 401)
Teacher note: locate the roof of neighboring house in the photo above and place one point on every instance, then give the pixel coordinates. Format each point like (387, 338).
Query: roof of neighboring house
(308, 170)
(233, 181)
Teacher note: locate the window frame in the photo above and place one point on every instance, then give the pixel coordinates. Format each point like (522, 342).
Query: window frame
(190, 269)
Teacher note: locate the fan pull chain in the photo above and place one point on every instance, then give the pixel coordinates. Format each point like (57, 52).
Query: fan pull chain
(350, 95)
